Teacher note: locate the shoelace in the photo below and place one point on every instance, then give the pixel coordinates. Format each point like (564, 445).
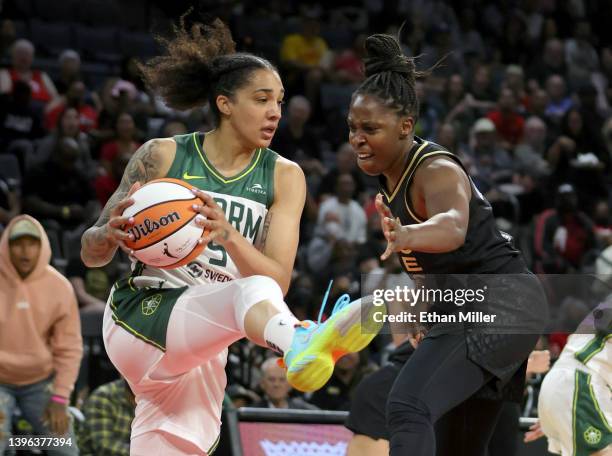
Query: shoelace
(341, 302)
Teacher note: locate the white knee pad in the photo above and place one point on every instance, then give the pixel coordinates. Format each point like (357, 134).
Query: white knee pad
(253, 290)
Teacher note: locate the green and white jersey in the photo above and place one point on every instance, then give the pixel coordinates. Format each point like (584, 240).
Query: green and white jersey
(245, 198)
(592, 350)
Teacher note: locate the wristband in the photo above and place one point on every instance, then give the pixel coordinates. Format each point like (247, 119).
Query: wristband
(59, 399)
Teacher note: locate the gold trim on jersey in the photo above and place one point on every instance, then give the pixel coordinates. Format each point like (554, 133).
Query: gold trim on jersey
(215, 173)
(399, 183)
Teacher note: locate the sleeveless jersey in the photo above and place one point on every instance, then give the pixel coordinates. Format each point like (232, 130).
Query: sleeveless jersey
(486, 248)
(245, 198)
(592, 350)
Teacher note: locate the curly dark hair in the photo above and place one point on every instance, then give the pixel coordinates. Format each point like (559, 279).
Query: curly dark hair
(200, 64)
(390, 75)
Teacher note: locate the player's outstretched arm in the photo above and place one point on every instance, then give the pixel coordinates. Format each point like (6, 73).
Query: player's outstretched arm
(445, 191)
(151, 161)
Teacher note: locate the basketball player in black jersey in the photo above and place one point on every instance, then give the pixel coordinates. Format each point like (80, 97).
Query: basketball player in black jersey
(438, 222)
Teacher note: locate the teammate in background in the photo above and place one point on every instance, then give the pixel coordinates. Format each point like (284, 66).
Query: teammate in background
(444, 226)
(575, 402)
(174, 357)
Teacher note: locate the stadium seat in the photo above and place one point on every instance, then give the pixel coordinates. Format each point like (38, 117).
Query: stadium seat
(62, 11)
(135, 44)
(51, 38)
(99, 12)
(99, 43)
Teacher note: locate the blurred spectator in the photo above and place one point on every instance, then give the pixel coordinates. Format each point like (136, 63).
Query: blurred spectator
(20, 118)
(469, 39)
(592, 119)
(564, 236)
(514, 41)
(58, 190)
(514, 79)
(531, 195)
(306, 58)
(551, 62)
(602, 80)
(508, 123)
(22, 58)
(240, 396)
(40, 335)
(530, 152)
(74, 98)
(559, 102)
(603, 223)
(67, 127)
(69, 70)
(338, 391)
(106, 184)
(93, 285)
(125, 142)
(348, 64)
(447, 137)
(346, 162)
(295, 138)
(480, 87)
(538, 103)
(7, 36)
(276, 388)
(341, 214)
(301, 297)
(109, 412)
(491, 162)
(580, 55)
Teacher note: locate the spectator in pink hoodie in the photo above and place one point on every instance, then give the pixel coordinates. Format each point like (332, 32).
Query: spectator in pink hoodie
(40, 335)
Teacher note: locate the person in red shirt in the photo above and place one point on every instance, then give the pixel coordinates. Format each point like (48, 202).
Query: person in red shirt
(508, 123)
(75, 97)
(22, 57)
(124, 143)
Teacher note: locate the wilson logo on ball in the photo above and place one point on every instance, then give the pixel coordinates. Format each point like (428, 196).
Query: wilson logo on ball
(149, 226)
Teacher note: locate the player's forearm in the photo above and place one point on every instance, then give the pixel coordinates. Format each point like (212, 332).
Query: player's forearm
(251, 261)
(96, 249)
(441, 233)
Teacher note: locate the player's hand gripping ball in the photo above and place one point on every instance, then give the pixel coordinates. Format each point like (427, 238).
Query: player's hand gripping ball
(165, 233)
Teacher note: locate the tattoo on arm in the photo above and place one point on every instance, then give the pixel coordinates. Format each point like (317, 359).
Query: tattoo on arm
(142, 167)
(261, 242)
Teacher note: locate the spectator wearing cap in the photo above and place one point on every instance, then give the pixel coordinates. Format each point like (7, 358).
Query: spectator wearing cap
(508, 122)
(109, 412)
(490, 161)
(22, 58)
(40, 335)
(276, 389)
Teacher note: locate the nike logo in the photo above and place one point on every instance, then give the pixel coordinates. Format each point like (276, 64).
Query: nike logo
(187, 176)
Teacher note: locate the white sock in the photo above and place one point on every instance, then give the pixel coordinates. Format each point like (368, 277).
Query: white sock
(279, 331)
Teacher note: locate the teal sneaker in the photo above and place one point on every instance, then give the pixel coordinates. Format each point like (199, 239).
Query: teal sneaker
(317, 346)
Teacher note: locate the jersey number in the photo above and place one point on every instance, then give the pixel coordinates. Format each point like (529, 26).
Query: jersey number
(218, 261)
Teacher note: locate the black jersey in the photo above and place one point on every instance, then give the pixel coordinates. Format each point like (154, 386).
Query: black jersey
(486, 248)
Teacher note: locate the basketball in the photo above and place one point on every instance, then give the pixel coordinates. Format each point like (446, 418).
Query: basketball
(164, 230)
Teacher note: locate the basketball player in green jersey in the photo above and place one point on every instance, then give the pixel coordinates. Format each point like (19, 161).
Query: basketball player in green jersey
(167, 331)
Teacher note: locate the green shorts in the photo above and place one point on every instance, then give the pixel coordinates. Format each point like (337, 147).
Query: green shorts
(144, 312)
(592, 432)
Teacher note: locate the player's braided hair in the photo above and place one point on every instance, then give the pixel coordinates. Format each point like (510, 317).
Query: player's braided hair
(200, 64)
(390, 75)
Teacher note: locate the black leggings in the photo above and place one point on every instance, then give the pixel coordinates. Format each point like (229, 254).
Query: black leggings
(435, 387)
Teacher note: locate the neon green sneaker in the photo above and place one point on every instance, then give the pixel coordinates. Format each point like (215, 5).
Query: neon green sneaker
(317, 346)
